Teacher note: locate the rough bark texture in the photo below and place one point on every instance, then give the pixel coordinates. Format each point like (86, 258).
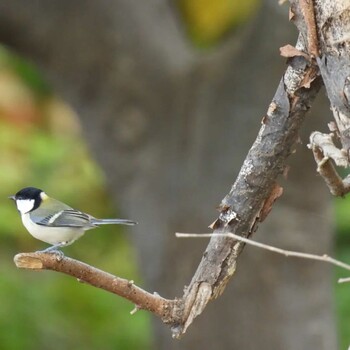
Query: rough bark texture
(171, 128)
(256, 188)
(333, 25)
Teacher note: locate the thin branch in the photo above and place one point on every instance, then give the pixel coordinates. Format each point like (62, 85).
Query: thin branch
(307, 9)
(325, 143)
(288, 253)
(324, 152)
(344, 280)
(100, 279)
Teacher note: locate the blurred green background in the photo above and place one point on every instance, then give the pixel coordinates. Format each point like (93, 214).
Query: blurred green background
(42, 145)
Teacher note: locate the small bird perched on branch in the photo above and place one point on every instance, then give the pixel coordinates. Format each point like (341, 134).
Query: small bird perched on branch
(54, 222)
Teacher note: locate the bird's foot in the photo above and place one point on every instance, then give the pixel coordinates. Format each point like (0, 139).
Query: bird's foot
(53, 250)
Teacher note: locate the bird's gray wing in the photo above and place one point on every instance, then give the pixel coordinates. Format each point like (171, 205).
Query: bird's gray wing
(63, 218)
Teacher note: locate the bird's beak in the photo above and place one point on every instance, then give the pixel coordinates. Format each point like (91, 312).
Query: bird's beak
(12, 197)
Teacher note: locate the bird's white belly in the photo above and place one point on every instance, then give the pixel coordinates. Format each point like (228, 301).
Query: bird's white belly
(51, 235)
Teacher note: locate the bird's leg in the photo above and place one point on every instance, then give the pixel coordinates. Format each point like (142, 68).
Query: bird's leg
(55, 249)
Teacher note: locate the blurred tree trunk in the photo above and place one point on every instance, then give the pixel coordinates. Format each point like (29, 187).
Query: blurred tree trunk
(171, 126)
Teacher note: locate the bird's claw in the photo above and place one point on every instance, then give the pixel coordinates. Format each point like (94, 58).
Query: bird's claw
(53, 250)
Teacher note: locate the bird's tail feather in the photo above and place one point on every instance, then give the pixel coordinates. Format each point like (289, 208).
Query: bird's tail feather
(113, 222)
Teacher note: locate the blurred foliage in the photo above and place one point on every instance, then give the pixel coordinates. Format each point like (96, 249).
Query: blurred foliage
(25, 71)
(41, 145)
(342, 211)
(208, 21)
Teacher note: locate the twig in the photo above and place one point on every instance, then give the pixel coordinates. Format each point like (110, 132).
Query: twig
(288, 253)
(100, 279)
(325, 143)
(307, 9)
(344, 280)
(134, 310)
(324, 152)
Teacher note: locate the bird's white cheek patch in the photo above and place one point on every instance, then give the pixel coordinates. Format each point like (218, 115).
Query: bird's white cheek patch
(25, 205)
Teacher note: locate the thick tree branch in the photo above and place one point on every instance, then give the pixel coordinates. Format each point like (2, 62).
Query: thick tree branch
(243, 208)
(161, 307)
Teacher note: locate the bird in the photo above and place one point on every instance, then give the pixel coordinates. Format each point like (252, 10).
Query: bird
(54, 222)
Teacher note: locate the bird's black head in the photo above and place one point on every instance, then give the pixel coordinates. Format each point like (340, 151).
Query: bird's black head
(28, 193)
(28, 199)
